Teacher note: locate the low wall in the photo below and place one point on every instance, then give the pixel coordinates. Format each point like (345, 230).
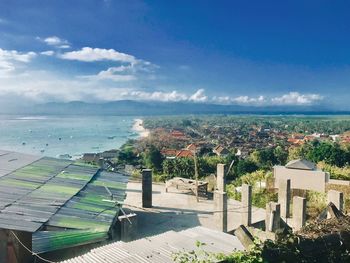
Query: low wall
(302, 179)
(339, 182)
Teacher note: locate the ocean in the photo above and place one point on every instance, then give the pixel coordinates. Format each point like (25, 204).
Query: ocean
(64, 135)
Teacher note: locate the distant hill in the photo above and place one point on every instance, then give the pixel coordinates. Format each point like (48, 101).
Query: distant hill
(130, 107)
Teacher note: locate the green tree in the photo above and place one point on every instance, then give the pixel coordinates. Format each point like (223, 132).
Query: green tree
(281, 155)
(245, 166)
(153, 158)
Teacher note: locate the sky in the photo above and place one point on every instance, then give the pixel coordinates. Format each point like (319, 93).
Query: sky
(259, 53)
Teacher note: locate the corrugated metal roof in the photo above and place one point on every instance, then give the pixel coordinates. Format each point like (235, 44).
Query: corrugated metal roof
(160, 248)
(11, 161)
(43, 193)
(87, 213)
(24, 195)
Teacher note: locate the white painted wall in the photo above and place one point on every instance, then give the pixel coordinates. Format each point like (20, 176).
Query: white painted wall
(302, 179)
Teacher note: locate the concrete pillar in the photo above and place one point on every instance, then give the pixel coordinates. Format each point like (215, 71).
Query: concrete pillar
(337, 198)
(246, 238)
(299, 212)
(128, 231)
(147, 188)
(246, 205)
(3, 246)
(15, 251)
(220, 208)
(273, 217)
(284, 197)
(101, 163)
(220, 177)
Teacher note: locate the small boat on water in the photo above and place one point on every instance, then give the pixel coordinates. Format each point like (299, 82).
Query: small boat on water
(111, 137)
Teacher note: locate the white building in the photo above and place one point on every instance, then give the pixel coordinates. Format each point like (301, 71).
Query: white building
(303, 174)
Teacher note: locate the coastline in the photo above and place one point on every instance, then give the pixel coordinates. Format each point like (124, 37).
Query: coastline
(138, 127)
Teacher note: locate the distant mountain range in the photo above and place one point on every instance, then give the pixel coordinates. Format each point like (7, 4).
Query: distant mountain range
(130, 107)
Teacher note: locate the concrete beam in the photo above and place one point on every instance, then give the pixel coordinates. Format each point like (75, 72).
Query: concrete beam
(246, 205)
(284, 197)
(273, 217)
(299, 212)
(337, 198)
(220, 177)
(128, 231)
(246, 238)
(147, 188)
(220, 208)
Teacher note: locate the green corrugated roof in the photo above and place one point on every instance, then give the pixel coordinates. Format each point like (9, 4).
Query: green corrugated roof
(87, 212)
(61, 194)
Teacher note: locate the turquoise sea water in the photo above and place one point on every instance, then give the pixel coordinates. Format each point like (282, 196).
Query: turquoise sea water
(57, 135)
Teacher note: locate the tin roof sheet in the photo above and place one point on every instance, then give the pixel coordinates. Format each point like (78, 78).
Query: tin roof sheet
(48, 193)
(160, 248)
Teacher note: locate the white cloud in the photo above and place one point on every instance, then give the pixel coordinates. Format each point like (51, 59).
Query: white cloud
(114, 73)
(10, 59)
(88, 54)
(55, 41)
(199, 96)
(138, 70)
(295, 98)
(47, 53)
(249, 100)
(162, 96)
(64, 46)
(16, 56)
(242, 100)
(171, 96)
(291, 98)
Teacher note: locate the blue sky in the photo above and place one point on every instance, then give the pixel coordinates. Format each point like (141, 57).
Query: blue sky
(227, 52)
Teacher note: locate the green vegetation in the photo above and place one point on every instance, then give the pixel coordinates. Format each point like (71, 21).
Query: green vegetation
(261, 196)
(287, 248)
(329, 152)
(290, 124)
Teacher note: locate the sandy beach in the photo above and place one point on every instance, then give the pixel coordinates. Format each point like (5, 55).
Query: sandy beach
(138, 127)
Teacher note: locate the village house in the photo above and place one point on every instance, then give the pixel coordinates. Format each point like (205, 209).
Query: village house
(177, 134)
(91, 157)
(221, 151)
(184, 153)
(303, 174)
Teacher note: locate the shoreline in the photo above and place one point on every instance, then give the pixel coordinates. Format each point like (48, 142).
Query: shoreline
(138, 127)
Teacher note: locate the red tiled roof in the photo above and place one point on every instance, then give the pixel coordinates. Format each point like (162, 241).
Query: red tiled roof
(191, 147)
(169, 152)
(184, 153)
(177, 134)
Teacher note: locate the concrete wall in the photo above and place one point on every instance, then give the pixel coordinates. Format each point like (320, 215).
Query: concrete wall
(301, 179)
(11, 251)
(339, 182)
(3, 246)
